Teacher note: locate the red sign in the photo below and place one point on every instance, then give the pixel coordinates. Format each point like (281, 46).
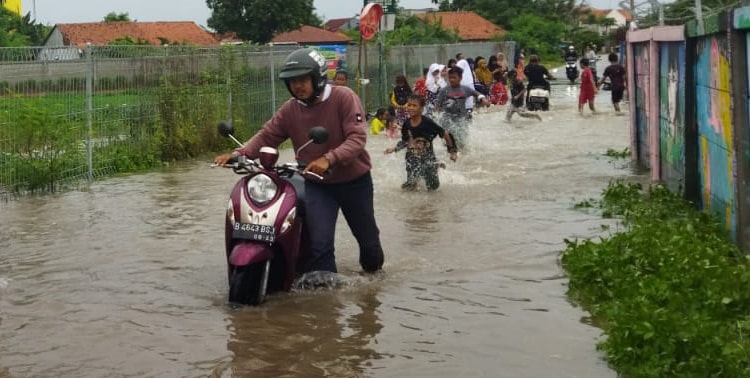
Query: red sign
(369, 20)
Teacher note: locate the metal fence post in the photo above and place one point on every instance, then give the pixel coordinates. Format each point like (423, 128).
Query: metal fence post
(273, 81)
(229, 87)
(89, 110)
(164, 66)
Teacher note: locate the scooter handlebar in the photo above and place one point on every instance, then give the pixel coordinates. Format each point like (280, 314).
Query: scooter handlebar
(243, 165)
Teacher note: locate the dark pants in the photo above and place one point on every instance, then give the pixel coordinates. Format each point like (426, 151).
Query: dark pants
(322, 204)
(422, 166)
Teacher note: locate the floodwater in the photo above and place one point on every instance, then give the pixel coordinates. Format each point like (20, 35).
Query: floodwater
(127, 279)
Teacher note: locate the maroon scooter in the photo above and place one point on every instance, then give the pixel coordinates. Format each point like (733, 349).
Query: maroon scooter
(265, 234)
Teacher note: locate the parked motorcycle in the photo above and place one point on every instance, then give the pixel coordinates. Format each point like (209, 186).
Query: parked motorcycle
(571, 69)
(538, 98)
(265, 234)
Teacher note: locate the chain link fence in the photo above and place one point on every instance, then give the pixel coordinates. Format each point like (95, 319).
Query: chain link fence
(70, 115)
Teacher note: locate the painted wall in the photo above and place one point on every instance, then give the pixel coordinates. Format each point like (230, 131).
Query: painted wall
(672, 112)
(642, 100)
(714, 121)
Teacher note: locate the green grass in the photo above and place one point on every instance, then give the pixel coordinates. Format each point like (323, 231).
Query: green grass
(42, 135)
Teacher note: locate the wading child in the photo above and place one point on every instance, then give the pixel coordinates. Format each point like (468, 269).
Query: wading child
(498, 93)
(392, 125)
(588, 87)
(616, 74)
(517, 99)
(399, 96)
(341, 78)
(417, 134)
(452, 101)
(379, 122)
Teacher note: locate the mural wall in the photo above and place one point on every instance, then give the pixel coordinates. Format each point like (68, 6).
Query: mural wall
(642, 83)
(672, 112)
(714, 121)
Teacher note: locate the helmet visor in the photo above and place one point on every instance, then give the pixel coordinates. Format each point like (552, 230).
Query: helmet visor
(291, 73)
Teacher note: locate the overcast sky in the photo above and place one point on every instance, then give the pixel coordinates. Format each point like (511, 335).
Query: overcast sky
(63, 11)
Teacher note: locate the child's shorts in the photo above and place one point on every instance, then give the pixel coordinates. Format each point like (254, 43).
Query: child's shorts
(617, 95)
(583, 98)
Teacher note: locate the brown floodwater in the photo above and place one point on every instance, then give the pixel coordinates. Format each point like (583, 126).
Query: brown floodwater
(127, 278)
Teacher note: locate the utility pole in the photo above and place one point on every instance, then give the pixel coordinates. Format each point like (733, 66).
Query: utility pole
(699, 16)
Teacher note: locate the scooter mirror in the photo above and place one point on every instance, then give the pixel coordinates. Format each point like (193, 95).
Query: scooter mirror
(318, 134)
(225, 129)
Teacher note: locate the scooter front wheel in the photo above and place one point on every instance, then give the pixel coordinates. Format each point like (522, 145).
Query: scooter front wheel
(248, 284)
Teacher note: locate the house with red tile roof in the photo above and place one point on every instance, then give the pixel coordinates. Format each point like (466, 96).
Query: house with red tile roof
(310, 35)
(468, 25)
(155, 33)
(621, 18)
(341, 24)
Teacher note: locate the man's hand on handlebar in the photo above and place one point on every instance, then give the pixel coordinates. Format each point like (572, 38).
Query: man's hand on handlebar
(222, 160)
(318, 166)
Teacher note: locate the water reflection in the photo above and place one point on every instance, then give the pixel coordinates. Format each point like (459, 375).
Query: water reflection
(317, 334)
(421, 215)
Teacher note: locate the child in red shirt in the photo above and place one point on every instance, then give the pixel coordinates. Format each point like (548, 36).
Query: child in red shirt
(419, 86)
(588, 87)
(498, 92)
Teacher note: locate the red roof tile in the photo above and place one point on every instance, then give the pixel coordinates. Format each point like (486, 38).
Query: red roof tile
(336, 23)
(311, 34)
(599, 13)
(628, 16)
(469, 25)
(102, 33)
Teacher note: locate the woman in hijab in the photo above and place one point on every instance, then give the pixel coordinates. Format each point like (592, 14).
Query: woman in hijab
(502, 65)
(492, 63)
(467, 80)
(434, 83)
(484, 76)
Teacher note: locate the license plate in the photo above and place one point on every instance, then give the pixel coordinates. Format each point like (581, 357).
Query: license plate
(250, 231)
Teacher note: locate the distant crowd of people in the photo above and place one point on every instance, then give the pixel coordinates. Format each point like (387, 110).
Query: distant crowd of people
(442, 100)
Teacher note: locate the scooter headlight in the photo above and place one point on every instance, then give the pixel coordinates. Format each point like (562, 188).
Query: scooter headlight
(261, 189)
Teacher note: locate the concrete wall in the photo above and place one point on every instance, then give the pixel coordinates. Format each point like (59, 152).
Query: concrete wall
(689, 103)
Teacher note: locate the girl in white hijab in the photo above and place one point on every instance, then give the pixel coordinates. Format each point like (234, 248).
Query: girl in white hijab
(467, 80)
(434, 83)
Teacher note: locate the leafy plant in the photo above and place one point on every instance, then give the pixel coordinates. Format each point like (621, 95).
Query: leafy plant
(624, 154)
(670, 291)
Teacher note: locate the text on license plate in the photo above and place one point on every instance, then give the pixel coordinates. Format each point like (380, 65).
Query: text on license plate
(251, 231)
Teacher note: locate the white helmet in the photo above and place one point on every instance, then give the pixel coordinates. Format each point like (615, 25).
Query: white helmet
(571, 48)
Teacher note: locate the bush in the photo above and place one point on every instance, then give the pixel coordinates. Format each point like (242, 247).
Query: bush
(671, 291)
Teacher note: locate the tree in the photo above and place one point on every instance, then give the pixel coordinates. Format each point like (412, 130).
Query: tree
(18, 30)
(540, 25)
(533, 32)
(116, 17)
(413, 30)
(454, 5)
(260, 20)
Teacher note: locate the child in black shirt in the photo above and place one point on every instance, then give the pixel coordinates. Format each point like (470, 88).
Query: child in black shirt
(417, 134)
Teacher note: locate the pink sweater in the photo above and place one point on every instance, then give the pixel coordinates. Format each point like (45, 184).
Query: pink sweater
(341, 113)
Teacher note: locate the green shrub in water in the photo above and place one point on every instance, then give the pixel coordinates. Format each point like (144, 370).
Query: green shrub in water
(671, 291)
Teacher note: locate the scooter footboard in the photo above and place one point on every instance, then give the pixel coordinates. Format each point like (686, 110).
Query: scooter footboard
(249, 253)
